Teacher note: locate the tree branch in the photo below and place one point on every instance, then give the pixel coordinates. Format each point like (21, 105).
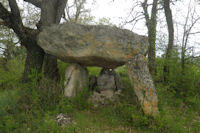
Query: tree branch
(5, 16)
(15, 19)
(36, 3)
(61, 4)
(170, 26)
(146, 14)
(2, 48)
(193, 33)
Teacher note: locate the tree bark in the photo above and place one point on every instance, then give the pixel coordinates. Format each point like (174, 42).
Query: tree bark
(34, 60)
(51, 13)
(152, 49)
(152, 38)
(151, 24)
(51, 67)
(27, 37)
(168, 15)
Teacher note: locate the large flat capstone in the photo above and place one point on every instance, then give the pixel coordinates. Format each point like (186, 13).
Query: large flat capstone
(92, 45)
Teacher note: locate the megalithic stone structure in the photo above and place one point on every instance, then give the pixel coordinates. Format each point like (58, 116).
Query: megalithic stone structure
(104, 46)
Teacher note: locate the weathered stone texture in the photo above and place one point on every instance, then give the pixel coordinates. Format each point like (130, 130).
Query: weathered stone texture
(94, 45)
(143, 84)
(106, 80)
(103, 46)
(75, 78)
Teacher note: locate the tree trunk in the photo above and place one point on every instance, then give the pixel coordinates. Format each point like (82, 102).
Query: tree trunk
(151, 51)
(152, 38)
(48, 17)
(34, 60)
(183, 60)
(51, 13)
(50, 67)
(168, 15)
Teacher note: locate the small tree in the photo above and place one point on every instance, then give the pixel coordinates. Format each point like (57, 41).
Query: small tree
(191, 19)
(169, 19)
(51, 13)
(151, 23)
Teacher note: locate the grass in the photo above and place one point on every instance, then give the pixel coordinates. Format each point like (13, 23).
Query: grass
(31, 108)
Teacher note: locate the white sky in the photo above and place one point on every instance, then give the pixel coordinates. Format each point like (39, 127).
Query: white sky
(118, 10)
(113, 10)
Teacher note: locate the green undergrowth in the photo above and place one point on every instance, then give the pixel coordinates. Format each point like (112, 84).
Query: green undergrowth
(33, 107)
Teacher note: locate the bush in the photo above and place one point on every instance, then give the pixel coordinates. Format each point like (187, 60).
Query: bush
(183, 83)
(80, 101)
(10, 78)
(34, 106)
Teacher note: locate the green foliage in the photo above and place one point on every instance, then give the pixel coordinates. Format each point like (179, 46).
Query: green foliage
(180, 83)
(94, 70)
(33, 107)
(80, 101)
(104, 21)
(62, 69)
(8, 101)
(11, 77)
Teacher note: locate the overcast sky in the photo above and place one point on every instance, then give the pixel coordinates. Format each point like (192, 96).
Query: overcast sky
(118, 11)
(113, 10)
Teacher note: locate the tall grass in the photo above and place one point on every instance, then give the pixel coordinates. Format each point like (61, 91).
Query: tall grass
(33, 107)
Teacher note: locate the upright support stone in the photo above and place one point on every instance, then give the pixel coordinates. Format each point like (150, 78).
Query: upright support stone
(143, 84)
(75, 78)
(106, 80)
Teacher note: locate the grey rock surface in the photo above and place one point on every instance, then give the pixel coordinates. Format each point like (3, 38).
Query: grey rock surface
(63, 119)
(102, 46)
(92, 82)
(75, 78)
(94, 45)
(106, 80)
(104, 98)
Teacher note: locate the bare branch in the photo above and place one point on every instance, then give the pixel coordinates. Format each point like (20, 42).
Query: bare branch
(137, 18)
(193, 24)
(67, 15)
(79, 6)
(2, 48)
(193, 33)
(74, 11)
(13, 20)
(61, 4)
(154, 11)
(5, 16)
(146, 14)
(185, 30)
(15, 17)
(192, 57)
(36, 3)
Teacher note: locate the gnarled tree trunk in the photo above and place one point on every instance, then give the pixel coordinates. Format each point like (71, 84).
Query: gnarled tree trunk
(48, 17)
(51, 12)
(34, 60)
(50, 67)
